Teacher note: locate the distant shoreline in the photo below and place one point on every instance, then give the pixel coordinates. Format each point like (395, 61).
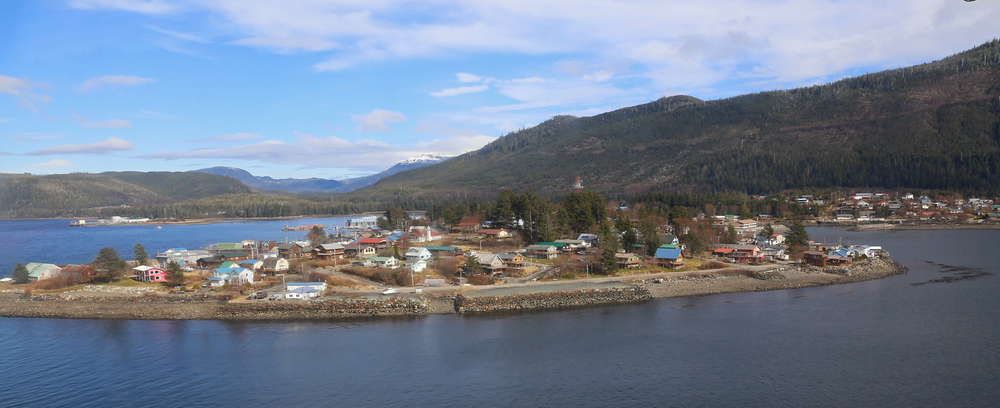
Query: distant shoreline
(188, 221)
(888, 226)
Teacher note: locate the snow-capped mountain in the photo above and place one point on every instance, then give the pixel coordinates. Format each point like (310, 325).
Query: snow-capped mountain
(319, 184)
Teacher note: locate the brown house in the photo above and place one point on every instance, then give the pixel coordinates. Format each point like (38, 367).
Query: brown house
(291, 250)
(77, 273)
(328, 251)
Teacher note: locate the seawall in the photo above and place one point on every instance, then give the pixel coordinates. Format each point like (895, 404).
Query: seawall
(196, 307)
(551, 300)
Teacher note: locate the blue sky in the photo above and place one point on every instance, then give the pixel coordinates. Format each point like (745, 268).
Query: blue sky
(336, 89)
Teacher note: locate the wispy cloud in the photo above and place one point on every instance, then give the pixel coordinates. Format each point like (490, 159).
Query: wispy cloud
(107, 146)
(138, 6)
(21, 89)
(113, 123)
(6, 120)
(113, 80)
(378, 120)
(51, 164)
(232, 137)
(34, 137)
(330, 152)
(460, 90)
(289, 44)
(464, 77)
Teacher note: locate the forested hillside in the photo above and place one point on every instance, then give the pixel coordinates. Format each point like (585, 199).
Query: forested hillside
(70, 195)
(931, 126)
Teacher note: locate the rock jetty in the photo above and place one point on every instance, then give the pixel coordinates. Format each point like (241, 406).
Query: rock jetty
(551, 300)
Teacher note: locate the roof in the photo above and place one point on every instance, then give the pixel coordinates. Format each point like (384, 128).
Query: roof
(508, 256)
(381, 258)
(670, 246)
(467, 224)
(443, 248)
(555, 244)
(271, 263)
(668, 253)
(416, 250)
(36, 269)
(329, 247)
(229, 245)
(724, 250)
(541, 248)
(748, 248)
(288, 245)
(372, 241)
(492, 231)
(627, 255)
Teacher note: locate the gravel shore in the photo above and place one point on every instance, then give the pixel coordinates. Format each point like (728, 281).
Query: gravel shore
(204, 307)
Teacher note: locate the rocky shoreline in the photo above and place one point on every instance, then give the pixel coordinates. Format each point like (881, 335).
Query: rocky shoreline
(208, 307)
(551, 300)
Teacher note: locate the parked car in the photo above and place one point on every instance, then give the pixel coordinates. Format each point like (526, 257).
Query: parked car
(276, 296)
(390, 291)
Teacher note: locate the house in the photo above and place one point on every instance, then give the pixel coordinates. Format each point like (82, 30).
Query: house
(39, 271)
(143, 273)
(417, 266)
(252, 264)
(541, 251)
(378, 243)
(365, 263)
(359, 250)
(361, 223)
(561, 246)
(304, 290)
(386, 262)
(466, 227)
(628, 260)
(591, 239)
(669, 258)
(490, 262)
(415, 254)
(232, 276)
(513, 260)
(444, 251)
(574, 244)
(774, 253)
(743, 225)
(494, 234)
(327, 252)
(723, 252)
(669, 239)
(77, 273)
(182, 256)
(274, 265)
(216, 260)
(748, 253)
(423, 234)
(292, 250)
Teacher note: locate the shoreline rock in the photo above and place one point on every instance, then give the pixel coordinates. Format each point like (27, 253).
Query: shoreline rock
(129, 306)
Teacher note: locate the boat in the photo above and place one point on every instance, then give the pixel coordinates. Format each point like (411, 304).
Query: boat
(159, 227)
(78, 223)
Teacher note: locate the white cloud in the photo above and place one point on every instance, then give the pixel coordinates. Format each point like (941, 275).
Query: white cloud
(20, 89)
(378, 120)
(113, 123)
(50, 164)
(289, 44)
(138, 6)
(330, 152)
(113, 80)
(675, 45)
(109, 145)
(6, 120)
(463, 77)
(232, 137)
(460, 90)
(34, 137)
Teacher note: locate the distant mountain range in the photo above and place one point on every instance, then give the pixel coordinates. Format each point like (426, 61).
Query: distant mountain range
(320, 184)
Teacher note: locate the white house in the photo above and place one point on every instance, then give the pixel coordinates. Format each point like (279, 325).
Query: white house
(304, 290)
(385, 262)
(417, 254)
(234, 276)
(38, 271)
(417, 266)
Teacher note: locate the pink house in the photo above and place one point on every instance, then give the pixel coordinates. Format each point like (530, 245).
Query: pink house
(149, 274)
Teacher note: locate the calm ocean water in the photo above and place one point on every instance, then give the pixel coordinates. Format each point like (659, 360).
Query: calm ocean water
(927, 338)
